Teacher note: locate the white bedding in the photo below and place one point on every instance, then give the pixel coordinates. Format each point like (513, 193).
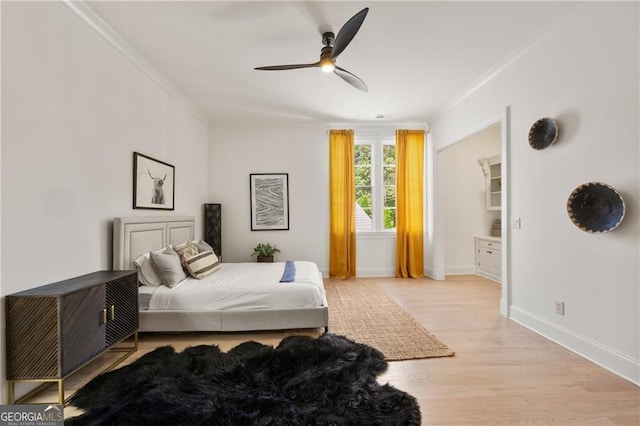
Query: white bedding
(244, 286)
(144, 296)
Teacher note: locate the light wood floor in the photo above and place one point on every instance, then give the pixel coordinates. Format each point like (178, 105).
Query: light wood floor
(502, 373)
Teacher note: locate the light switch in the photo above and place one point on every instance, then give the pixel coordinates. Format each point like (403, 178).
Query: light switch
(515, 222)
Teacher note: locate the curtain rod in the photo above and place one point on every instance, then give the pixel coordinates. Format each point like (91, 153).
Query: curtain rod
(377, 132)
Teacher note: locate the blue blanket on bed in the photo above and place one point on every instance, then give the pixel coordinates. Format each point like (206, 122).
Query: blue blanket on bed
(289, 274)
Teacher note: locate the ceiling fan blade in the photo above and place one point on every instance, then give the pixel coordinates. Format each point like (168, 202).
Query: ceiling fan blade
(351, 79)
(348, 32)
(287, 67)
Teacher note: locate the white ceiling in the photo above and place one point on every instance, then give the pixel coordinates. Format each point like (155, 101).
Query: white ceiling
(415, 56)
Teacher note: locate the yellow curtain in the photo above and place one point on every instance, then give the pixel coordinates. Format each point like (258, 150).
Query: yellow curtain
(342, 247)
(409, 204)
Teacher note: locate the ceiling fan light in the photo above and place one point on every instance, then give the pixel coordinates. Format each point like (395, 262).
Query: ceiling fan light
(327, 66)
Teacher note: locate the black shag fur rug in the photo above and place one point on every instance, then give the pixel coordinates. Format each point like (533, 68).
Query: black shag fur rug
(328, 380)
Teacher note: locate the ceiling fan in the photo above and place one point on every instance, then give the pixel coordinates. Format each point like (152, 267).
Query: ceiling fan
(333, 46)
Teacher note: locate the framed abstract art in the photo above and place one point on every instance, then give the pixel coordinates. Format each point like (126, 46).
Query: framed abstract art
(269, 201)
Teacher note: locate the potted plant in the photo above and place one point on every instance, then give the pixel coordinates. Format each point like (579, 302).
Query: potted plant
(265, 252)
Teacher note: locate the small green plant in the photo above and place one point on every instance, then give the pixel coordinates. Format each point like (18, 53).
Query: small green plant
(264, 250)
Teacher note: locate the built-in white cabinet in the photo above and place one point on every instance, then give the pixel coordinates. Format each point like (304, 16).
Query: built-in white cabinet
(491, 167)
(489, 257)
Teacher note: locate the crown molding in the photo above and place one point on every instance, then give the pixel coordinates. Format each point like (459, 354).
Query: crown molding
(556, 23)
(84, 12)
(381, 127)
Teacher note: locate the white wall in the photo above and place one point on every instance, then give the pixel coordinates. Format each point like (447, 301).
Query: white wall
(588, 81)
(74, 111)
(376, 255)
(463, 197)
(302, 151)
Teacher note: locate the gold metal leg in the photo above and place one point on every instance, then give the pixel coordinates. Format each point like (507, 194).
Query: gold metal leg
(127, 351)
(11, 391)
(43, 384)
(61, 392)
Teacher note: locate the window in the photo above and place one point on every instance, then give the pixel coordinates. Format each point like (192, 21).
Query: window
(375, 183)
(364, 188)
(389, 185)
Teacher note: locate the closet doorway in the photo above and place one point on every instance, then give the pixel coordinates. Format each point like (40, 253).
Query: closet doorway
(471, 204)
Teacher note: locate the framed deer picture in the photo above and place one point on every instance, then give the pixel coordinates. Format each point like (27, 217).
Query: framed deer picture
(154, 183)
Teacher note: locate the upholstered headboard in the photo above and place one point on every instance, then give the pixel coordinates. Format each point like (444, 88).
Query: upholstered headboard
(133, 236)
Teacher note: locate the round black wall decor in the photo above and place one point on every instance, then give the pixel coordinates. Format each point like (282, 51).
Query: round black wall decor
(595, 207)
(543, 133)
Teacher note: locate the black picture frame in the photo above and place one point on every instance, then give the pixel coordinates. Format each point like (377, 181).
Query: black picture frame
(269, 201)
(154, 183)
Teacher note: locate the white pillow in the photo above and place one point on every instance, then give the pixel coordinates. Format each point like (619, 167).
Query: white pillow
(146, 274)
(167, 265)
(202, 245)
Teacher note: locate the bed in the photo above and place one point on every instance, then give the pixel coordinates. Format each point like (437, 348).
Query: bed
(233, 303)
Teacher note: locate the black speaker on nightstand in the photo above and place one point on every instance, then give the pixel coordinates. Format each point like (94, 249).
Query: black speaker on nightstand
(213, 227)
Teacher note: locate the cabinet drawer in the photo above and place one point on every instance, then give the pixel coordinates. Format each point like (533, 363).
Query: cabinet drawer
(487, 244)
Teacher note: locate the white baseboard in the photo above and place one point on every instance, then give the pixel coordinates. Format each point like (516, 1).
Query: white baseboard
(375, 272)
(365, 272)
(460, 270)
(487, 275)
(428, 272)
(504, 308)
(610, 359)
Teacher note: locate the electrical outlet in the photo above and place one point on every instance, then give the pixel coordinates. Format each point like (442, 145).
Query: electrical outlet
(515, 222)
(559, 307)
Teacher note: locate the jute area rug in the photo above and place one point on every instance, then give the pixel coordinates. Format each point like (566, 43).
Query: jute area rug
(366, 314)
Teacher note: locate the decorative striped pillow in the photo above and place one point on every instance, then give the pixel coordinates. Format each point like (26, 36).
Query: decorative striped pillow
(202, 264)
(185, 250)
